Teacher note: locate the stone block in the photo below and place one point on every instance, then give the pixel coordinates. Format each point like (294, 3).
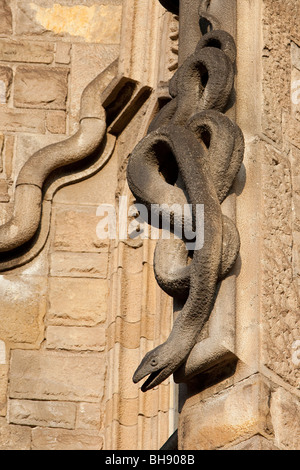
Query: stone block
(43, 413)
(3, 388)
(5, 19)
(26, 51)
(23, 306)
(41, 87)
(56, 122)
(16, 120)
(39, 375)
(88, 416)
(76, 338)
(14, 437)
(238, 412)
(63, 439)
(95, 23)
(77, 302)
(81, 265)
(285, 416)
(63, 53)
(75, 230)
(254, 443)
(6, 77)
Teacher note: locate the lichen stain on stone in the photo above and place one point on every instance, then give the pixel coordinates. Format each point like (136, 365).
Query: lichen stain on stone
(97, 23)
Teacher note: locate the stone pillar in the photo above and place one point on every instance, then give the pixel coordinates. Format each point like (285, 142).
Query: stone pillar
(251, 400)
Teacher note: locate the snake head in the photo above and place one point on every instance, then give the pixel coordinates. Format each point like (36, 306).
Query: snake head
(156, 366)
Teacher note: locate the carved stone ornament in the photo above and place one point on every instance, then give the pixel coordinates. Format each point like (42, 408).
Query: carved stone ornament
(191, 155)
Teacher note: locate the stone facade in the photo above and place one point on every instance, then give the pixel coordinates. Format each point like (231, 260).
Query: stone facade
(77, 313)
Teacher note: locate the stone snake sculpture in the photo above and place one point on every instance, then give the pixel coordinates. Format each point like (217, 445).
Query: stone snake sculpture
(191, 155)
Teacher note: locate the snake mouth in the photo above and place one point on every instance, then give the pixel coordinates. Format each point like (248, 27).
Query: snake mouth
(154, 379)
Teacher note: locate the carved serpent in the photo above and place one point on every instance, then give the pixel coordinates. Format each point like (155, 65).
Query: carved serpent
(191, 155)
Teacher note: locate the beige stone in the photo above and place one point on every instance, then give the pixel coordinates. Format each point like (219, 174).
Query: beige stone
(56, 122)
(80, 265)
(3, 388)
(254, 443)
(77, 302)
(6, 76)
(42, 413)
(63, 439)
(16, 120)
(14, 437)
(41, 87)
(88, 60)
(75, 338)
(23, 306)
(26, 51)
(75, 230)
(240, 411)
(95, 23)
(5, 19)
(57, 376)
(63, 53)
(88, 416)
(285, 416)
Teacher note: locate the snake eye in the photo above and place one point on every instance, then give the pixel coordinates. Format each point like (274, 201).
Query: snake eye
(154, 362)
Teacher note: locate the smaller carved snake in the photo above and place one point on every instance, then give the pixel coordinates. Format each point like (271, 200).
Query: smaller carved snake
(191, 155)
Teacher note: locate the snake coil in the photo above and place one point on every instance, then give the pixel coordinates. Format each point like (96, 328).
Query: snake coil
(191, 155)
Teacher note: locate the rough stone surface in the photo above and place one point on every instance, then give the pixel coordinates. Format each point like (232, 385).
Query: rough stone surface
(76, 338)
(40, 87)
(14, 437)
(56, 439)
(95, 23)
(238, 411)
(279, 289)
(26, 51)
(6, 76)
(75, 230)
(23, 306)
(42, 413)
(57, 376)
(80, 265)
(77, 302)
(5, 19)
(285, 415)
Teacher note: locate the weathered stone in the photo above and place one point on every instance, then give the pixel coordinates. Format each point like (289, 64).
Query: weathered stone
(63, 53)
(285, 416)
(57, 376)
(23, 306)
(5, 19)
(77, 302)
(88, 60)
(88, 416)
(43, 413)
(240, 411)
(95, 23)
(279, 292)
(56, 122)
(41, 87)
(16, 120)
(254, 443)
(59, 439)
(76, 338)
(4, 196)
(14, 437)
(75, 230)
(93, 265)
(3, 388)
(6, 76)
(26, 51)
